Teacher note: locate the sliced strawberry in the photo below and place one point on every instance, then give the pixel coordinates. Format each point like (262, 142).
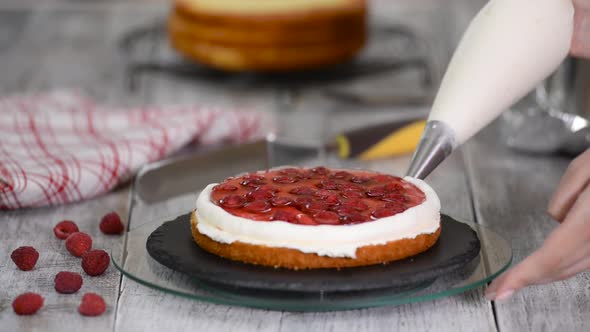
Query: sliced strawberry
(384, 212)
(285, 179)
(332, 199)
(259, 194)
(253, 181)
(315, 206)
(327, 218)
(225, 187)
(343, 210)
(353, 218)
(257, 206)
(301, 202)
(394, 187)
(323, 193)
(395, 197)
(356, 204)
(283, 215)
(383, 178)
(292, 172)
(350, 186)
(281, 201)
(301, 191)
(396, 207)
(340, 175)
(353, 194)
(360, 179)
(328, 185)
(232, 201)
(304, 219)
(376, 191)
(320, 170)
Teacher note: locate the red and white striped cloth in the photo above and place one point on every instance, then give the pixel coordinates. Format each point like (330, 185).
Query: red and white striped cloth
(61, 147)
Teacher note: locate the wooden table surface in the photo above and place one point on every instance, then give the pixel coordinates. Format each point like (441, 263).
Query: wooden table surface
(67, 44)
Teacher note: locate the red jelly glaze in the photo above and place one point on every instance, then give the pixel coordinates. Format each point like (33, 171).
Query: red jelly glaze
(316, 196)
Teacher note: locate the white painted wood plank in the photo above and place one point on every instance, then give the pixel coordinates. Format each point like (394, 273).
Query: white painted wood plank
(460, 313)
(511, 191)
(61, 49)
(34, 227)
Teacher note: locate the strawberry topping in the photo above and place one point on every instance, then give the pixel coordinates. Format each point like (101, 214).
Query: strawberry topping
(316, 196)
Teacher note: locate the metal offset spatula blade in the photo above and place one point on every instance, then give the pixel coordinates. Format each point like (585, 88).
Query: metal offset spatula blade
(182, 175)
(577, 142)
(176, 176)
(539, 131)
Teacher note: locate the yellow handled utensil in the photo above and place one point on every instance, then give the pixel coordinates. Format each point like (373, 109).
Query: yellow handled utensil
(380, 141)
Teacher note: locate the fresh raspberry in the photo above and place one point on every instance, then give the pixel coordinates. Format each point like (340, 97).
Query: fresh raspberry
(67, 282)
(95, 262)
(111, 224)
(78, 243)
(92, 305)
(25, 258)
(64, 228)
(27, 303)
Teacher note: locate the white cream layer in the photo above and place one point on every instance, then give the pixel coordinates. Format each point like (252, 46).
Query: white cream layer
(324, 240)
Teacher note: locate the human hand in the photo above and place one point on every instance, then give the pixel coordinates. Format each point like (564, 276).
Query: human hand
(566, 251)
(581, 38)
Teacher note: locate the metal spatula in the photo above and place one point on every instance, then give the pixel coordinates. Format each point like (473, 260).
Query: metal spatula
(539, 131)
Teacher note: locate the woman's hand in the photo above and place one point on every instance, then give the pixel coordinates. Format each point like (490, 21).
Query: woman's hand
(566, 252)
(581, 37)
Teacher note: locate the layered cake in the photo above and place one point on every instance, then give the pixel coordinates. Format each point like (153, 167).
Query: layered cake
(268, 35)
(306, 218)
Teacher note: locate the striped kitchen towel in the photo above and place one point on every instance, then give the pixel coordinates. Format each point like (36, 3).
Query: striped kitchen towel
(61, 147)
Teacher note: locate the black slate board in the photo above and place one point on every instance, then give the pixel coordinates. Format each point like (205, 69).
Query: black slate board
(172, 245)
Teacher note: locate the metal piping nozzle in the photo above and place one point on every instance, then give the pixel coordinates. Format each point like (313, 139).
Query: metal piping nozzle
(436, 144)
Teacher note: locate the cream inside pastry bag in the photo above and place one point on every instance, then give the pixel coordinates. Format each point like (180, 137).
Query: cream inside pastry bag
(508, 48)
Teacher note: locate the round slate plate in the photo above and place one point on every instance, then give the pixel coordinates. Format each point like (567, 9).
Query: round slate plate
(172, 245)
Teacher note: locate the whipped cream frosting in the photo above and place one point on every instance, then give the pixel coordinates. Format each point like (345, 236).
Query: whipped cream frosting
(324, 240)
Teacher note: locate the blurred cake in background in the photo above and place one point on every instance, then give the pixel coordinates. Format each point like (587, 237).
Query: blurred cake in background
(268, 35)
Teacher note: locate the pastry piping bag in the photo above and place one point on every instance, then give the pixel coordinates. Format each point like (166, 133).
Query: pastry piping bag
(508, 48)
